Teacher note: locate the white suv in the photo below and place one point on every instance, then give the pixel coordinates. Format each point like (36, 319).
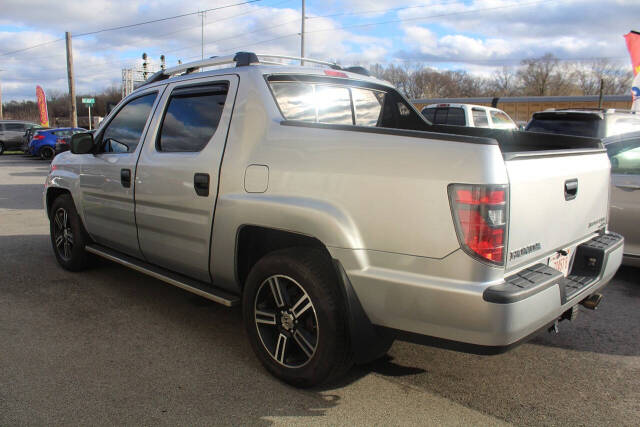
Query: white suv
(470, 115)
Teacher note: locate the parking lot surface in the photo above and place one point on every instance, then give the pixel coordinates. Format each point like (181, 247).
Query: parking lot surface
(112, 346)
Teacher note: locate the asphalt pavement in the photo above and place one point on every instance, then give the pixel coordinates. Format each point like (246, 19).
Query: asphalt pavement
(111, 346)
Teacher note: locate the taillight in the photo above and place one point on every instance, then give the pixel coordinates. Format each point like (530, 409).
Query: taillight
(38, 137)
(480, 214)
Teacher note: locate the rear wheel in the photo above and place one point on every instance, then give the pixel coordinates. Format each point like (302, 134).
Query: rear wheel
(295, 317)
(1, 148)
(68, 237)
(46, 153)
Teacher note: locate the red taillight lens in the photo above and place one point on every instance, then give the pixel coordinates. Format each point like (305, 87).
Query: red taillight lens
(38, 137)
(480, 215)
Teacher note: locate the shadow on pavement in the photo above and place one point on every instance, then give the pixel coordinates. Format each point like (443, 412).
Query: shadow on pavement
(113, 345)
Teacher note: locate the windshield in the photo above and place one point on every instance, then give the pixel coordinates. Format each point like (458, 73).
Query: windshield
(578, 125)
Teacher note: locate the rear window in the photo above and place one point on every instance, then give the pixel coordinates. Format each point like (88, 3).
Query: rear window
(342, 102)
(480, 119)
(578, 125)
(429, 113)
(449, 116)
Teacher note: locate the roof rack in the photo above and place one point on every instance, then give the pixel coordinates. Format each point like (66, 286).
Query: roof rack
(241, 59)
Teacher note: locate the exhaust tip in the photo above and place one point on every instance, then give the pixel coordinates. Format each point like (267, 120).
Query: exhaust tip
(592, 301)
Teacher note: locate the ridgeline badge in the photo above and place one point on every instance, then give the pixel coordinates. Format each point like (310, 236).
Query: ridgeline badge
(524, 251)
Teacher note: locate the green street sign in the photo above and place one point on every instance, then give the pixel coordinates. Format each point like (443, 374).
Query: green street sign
(88, 100)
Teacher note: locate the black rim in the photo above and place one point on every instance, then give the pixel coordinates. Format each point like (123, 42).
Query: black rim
(62, 234)
(286, 321)
(46, 153)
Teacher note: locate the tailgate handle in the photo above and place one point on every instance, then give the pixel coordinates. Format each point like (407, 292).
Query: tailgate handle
(570, 189)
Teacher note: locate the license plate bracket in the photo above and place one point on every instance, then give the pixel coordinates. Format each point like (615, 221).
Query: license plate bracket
(562, 260)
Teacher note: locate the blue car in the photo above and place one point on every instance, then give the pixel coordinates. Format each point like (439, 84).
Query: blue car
(43, 143)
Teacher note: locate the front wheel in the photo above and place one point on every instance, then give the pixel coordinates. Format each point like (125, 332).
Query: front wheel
(68, 237)
(295, 317)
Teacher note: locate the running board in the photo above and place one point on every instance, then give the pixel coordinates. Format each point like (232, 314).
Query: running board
(175, 279)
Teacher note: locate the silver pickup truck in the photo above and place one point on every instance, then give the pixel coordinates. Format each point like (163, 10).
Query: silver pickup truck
(322, 201)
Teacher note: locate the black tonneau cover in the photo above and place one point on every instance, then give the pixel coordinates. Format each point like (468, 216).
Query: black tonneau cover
(511, 141)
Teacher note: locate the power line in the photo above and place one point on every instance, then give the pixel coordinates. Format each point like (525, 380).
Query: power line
(31, 47)
(384, 11)
(393, 21)
(163, 19)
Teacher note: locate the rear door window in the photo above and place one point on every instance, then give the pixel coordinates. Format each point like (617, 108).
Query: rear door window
(191, 118)
(480, 119)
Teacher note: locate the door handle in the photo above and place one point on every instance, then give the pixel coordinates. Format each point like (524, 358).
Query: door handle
(125, 177)
(628, 187)
(570, 189)
(201, 184)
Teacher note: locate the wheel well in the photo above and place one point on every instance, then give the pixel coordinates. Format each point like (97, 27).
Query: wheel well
(52, 194)
(254, 242)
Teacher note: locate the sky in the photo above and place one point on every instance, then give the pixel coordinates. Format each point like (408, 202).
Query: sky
(479, 36)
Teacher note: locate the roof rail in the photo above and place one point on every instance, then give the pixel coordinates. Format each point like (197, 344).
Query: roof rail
(241, 59)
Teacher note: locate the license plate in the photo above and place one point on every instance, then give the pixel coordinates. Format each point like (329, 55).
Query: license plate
(561, 262)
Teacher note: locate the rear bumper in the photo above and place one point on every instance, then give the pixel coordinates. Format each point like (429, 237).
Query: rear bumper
(483, 317)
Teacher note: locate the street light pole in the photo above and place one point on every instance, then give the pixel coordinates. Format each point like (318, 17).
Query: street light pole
(302, 36)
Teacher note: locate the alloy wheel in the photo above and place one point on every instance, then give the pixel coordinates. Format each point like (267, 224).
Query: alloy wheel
(286, 321)
(63, 234)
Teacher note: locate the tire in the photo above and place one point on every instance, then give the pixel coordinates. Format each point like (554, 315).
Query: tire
(46, 153)
(68, 236)
(1, 148)
(301, 336)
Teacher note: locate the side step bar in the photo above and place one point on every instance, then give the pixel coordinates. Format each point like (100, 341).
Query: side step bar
(175, 279)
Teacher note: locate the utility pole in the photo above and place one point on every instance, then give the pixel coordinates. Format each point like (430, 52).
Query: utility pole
(0, 99)
(72, 84)
(601, 93)
(302, 36)
(202, 14)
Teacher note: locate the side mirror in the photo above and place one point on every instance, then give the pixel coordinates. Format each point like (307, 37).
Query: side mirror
(82, 143)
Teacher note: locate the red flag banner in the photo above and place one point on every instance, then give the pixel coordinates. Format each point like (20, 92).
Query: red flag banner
(42, 106)
(633, 44)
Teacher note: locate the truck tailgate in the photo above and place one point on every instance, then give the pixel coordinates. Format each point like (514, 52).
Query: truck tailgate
(544, 213)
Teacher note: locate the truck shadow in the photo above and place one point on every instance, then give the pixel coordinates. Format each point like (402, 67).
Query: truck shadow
(112, 343)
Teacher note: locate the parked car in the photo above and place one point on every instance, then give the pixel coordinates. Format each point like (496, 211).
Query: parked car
(28, 135)
(341, 219)
(11, 133)
(43, 143)
(590, 122)
(624, 212)
(468, 115)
